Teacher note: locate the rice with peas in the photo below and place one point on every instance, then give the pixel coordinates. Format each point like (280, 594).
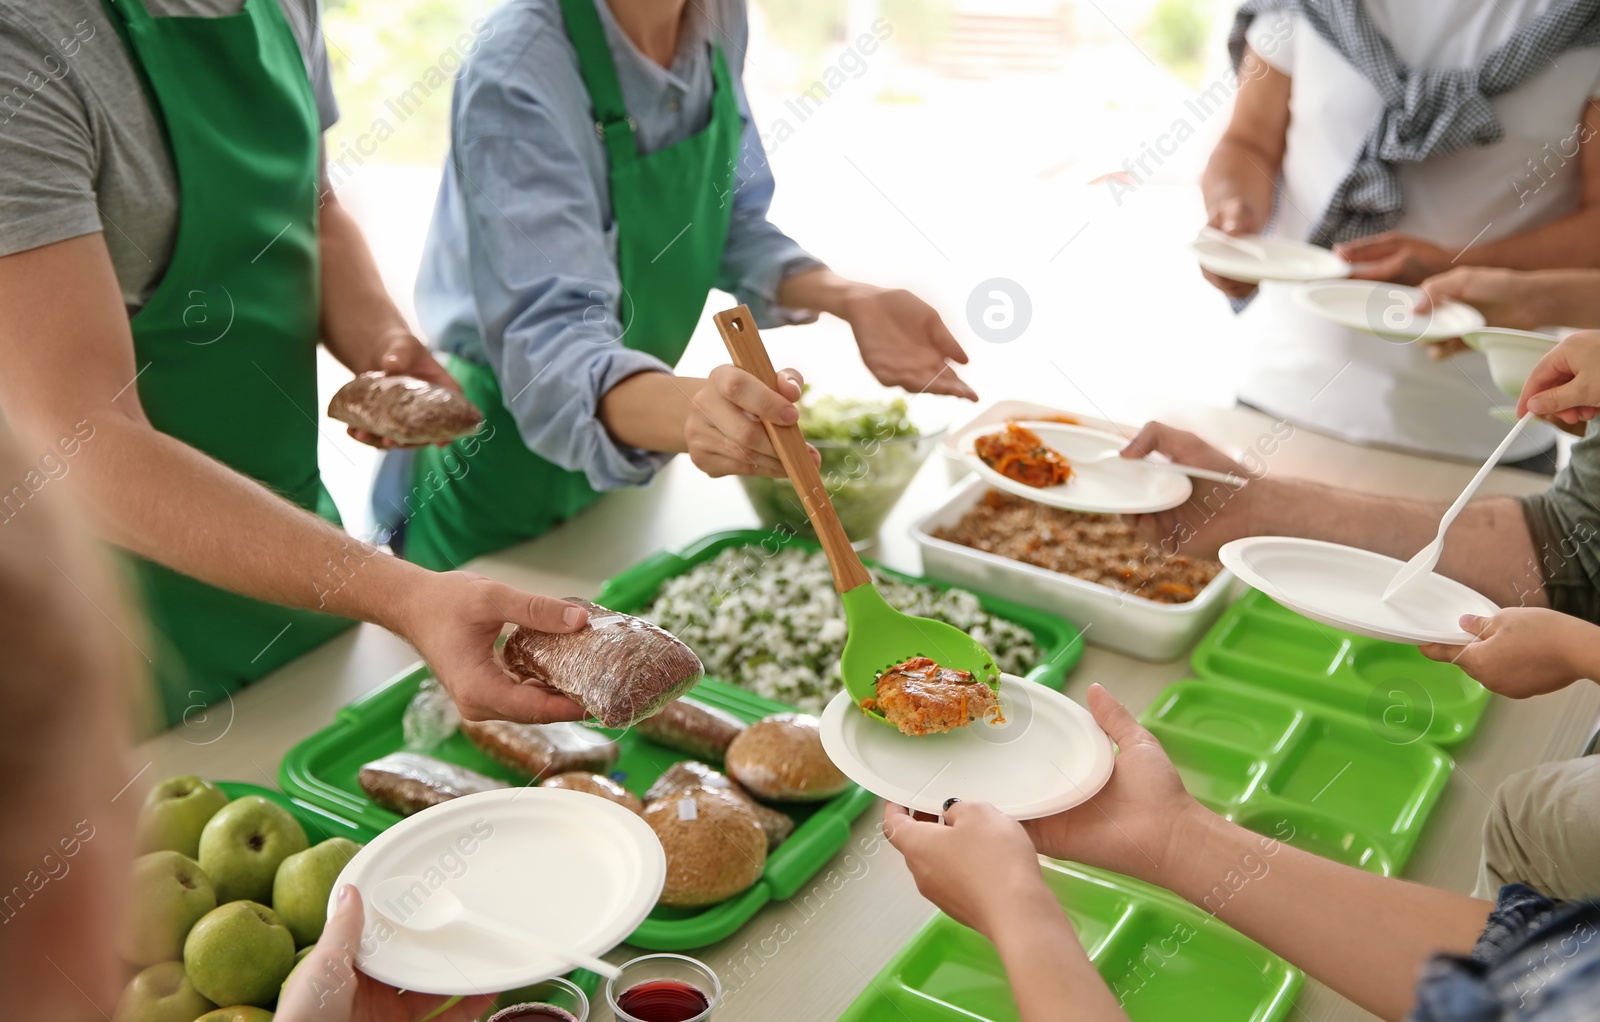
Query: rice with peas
(772, 623)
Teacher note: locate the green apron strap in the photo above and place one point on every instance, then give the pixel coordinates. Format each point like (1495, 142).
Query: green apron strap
(611, 120)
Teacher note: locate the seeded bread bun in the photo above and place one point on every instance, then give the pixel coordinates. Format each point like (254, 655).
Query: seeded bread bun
(780, 758)
(682, 777)
(619, 668)
(594, 784)
(715, 848)
(404, 409)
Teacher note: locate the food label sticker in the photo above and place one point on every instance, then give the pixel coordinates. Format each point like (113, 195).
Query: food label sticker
(687, 810)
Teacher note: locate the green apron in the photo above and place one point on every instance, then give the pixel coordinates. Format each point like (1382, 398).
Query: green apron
(226, 347)
(489, 491)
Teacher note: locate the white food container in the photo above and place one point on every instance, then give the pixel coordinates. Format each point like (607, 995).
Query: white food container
(1001, 412)
(1107, 617)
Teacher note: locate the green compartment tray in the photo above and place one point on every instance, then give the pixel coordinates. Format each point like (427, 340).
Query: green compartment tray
(1161, 956)
(1314, 778)
(1402, 693)
(322, 772)
(1060, 644)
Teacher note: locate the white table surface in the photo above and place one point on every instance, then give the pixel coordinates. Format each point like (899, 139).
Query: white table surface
(810, 957)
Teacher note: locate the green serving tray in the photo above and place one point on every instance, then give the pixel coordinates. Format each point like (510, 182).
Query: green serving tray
(1403, 694)
(1161, 956)
(322, 771)
(1311, 777)
(630, 592)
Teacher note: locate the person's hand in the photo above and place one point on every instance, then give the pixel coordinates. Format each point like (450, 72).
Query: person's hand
(977, 866)
(1506, 298)
(454, 618)
(327, 986)
(1134, 824)
(406, 356)
(1524, 651)
(1565, 384)
(1233, 214)
(1393, 257)
(1213, 514)
(904, 342)
(724, 434)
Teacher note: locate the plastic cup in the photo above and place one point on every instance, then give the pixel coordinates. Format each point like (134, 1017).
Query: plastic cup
(556, 993)
(664, 968)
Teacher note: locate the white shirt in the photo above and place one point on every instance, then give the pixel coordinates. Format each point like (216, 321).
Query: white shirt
(1357, 386)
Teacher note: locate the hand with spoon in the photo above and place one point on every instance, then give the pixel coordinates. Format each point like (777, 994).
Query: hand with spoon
(880, 636)
(440, 908)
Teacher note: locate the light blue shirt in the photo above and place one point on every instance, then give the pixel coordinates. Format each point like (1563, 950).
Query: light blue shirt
(520, 269)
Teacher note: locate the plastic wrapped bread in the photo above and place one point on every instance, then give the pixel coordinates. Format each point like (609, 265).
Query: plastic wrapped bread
(715, 848)
(409, 782)
(595, 784)
(780, 758)
(693, 728)
(542, 750)
(404, 409)
(619, 668)
(689, 775)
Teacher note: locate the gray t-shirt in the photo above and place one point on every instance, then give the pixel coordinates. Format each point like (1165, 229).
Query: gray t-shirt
(80, 149)
(1564, 522)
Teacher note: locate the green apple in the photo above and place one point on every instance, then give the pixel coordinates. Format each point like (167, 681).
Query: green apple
(239, 953)
(237, 1013)
(174, 814)
(170, 892)
(161, 993)
(243, 845)
(304, 882)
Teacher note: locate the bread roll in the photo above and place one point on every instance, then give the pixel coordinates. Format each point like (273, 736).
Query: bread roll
(404, 409)
(620, 669)
(688, 775)
(715, 848)
(594, 784)
(780, 758)
(409, 782)
(542, 750)
(693, 728)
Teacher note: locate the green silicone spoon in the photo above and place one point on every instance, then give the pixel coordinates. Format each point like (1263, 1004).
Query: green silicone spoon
(879, 636)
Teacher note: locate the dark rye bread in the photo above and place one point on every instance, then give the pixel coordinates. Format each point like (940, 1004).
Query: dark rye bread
(780, 759)
(688, 775)
(542, 750)
(715, 848)
(409, 782)
(619, 668)
(693, 728)
(404, 409)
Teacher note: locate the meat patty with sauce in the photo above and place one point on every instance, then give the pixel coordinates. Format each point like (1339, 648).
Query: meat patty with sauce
(921, 698)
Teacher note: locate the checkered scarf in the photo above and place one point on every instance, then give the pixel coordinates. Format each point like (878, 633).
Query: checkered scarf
(1426, 112)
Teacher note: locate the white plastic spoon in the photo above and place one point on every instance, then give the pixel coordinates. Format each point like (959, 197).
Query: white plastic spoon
(1189, 470)
(1249, 248)
(1428, 557)
(436, 909)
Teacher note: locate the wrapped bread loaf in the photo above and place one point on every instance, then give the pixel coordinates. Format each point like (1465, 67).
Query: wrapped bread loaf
(542, 750)
(780, 758)
(404, 409)
(715, 847)
(688, 775)
(595, 784)
(693, 728)
(620, 669)
(409, 782)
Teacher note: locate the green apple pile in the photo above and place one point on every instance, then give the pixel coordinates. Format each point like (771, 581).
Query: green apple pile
(225, 900)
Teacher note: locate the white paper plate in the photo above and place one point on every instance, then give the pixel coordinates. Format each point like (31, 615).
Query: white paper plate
(1285, 260)
(577, 870)
(1387, 310)
(1049, 756)
(1343, 586)
(1114, 486)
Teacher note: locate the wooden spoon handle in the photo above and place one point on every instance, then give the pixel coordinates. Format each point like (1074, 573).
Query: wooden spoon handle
(739, 333)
